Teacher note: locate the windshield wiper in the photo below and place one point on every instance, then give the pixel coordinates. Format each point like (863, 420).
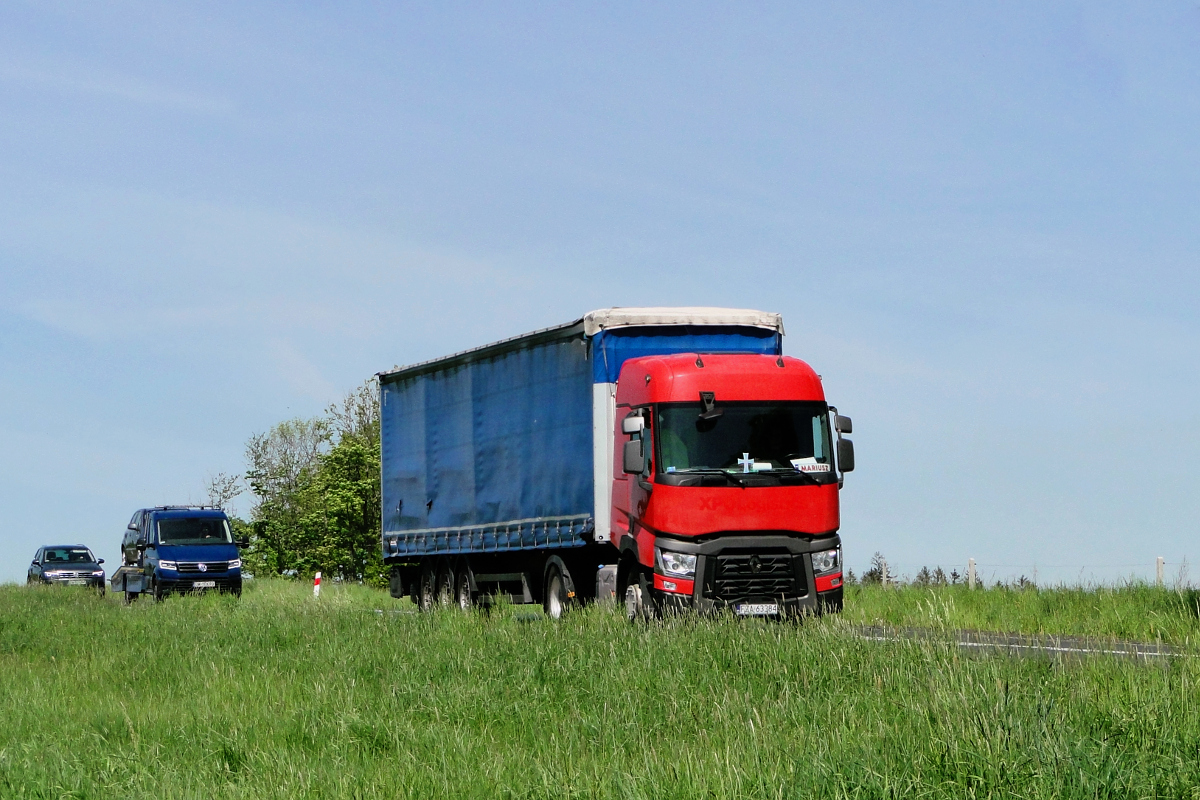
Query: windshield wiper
(786, 472)
(733, 476)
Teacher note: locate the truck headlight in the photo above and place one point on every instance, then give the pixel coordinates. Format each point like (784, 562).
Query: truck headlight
(827, 561)
(235, 564)
(171, 565)
(682, 565)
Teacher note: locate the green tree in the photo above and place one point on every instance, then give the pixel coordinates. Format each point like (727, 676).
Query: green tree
(317, 489)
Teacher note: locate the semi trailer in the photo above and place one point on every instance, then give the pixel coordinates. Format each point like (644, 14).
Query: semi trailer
(671, 459)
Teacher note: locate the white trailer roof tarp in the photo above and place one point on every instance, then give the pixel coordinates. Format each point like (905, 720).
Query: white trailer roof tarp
(608, 318)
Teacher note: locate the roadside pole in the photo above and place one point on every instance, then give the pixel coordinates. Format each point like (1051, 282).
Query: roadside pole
(1158, 569)
(317, 585)
(971, 572)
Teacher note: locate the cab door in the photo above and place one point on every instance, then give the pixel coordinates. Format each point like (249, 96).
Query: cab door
(631, 490)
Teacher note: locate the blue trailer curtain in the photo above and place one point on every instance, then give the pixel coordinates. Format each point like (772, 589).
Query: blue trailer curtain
(503, 438)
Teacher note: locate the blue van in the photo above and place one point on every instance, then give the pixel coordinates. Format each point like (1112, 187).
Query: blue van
(178, 549)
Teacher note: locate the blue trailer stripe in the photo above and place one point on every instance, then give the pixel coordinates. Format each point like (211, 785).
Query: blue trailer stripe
(612, 348)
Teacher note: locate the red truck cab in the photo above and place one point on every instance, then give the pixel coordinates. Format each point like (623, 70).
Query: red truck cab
(725, 486)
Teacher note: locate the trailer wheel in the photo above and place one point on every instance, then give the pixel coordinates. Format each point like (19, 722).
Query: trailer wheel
(130, 597)
(556, 599)
(462, 588)
(426, 587)
(445, 584)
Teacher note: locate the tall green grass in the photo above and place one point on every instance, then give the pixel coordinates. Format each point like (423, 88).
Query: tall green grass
(279, 695)
(1134, 611)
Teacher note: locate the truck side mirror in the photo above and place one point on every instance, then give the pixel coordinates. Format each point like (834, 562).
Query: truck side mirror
(845, 455)
(631, 425)
(243, 542)
(634, 458)
(842, 424)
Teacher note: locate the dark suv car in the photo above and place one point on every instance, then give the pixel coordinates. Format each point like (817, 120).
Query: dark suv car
(178, 549)
(70, 564)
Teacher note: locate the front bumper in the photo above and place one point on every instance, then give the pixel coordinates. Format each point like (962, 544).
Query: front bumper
(207, 583)
(756, 569)
(91, 581)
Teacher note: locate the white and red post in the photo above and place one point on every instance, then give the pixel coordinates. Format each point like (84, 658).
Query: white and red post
(317, 585)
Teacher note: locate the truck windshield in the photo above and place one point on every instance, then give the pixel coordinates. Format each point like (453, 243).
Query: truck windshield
(193, 530)
(774, 437)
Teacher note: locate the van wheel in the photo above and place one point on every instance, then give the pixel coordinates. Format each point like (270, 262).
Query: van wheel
(445, 584)
(130, 597)
(426, 587)
(462, 589)
(555, 600)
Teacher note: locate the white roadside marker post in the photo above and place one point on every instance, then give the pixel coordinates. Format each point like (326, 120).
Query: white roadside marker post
(971, 573)
(1158, 569)
(317, 585)
(884, 576)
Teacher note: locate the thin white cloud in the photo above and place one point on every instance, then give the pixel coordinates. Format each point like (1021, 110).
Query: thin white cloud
(106, 84)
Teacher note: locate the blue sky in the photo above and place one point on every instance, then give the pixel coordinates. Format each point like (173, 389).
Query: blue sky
(979, 222)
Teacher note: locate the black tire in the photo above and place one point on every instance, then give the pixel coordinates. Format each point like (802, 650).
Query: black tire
(157, 592)
(426, 587)
(445, 584)
(640, 603)
(129, 597)
(462, 589)
(556, 600)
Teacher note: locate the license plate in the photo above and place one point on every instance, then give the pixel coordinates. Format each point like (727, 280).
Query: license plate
(77, 582)
(756, 609)
(204, 585)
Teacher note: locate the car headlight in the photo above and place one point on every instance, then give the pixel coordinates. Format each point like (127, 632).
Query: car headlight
(53, 573)
(164, 564)
(235, 564)
(827, 561)
(97, 572)
(682, 565)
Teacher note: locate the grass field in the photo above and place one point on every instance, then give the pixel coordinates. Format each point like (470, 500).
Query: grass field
(1135, 611)
(276, 695)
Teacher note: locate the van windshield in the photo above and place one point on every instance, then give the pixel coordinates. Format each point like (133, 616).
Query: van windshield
(773, 437)
(194, 530)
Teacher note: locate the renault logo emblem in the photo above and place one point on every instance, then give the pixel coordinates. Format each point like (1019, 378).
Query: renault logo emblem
(204, 567)
(755, 564)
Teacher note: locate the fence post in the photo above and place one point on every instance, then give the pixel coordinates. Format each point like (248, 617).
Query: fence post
(883, 563)
(971, 573)
(1158, 569)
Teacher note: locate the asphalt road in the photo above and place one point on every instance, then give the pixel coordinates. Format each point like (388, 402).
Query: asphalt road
(1022, 645)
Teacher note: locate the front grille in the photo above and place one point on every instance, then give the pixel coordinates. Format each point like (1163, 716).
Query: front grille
(62, 575)
(209, 566)
(747, 575)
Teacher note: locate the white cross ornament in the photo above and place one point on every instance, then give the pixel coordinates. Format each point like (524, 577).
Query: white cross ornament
(746, 461)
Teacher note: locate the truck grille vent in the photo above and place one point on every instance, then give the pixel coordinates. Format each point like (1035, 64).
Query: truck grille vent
(743, 576)
(209, 566)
